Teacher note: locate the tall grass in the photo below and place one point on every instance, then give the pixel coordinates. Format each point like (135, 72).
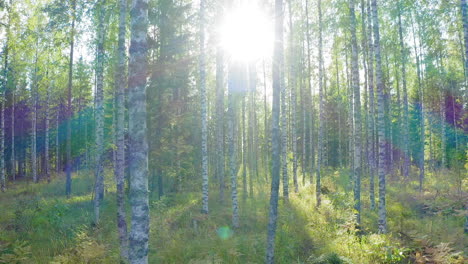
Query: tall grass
(39, 225)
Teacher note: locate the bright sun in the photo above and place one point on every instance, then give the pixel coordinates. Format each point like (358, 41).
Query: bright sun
(247, 33)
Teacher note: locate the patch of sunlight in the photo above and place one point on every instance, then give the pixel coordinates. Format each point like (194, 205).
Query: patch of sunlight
(178, 208)
(79, 199)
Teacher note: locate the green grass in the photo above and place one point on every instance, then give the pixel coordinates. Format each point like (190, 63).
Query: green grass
(39, 225)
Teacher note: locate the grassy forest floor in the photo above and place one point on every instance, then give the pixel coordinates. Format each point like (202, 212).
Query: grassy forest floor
(39, 225)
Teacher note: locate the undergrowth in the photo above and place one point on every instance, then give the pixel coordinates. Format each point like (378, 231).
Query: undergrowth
(39, 225)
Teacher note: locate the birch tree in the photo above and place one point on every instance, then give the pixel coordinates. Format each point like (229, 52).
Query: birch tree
(380, 121)
(235, 76)
(120, 86)
(356, 114)
(204, 113)
(138, 167)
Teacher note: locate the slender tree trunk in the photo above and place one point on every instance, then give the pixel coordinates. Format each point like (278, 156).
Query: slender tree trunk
(304, 131)
(432, 143)
(405, 131)
(443, 130)
(114, 131)
(253, 170)
(443, 125)
(265, 105)
(5, 86)
(220, 159)
(244, 153)
(2, 112)
(380, 121)
(371, 125)
(12, 158)
(34, 95)
(423, 134)
(138, 68)
(464, 10)
(33, 133)
(420, 105)
(69, 102)
(454, 117)
(238, 138)
(204, 117)
(387, 118)
(397, 135)
(350, 113)
(284, 142)
(294, 135)
(176, 148)
(80, 116)
(22, 159)
(312, 139)
(235, 84)
(325, 139)
(321, 108)
(339, 102)
(99, 171)
(365, 57)
(121, 84)
(276, 141)
(292, 85)
(309, 124)
(47, 133)
(86, 143)
(357, 115)
(2, 139)
(57, 142)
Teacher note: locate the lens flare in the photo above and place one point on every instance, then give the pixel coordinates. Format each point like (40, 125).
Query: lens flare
(247, 33)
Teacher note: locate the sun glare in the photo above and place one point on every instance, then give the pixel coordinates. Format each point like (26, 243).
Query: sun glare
(247, 33)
